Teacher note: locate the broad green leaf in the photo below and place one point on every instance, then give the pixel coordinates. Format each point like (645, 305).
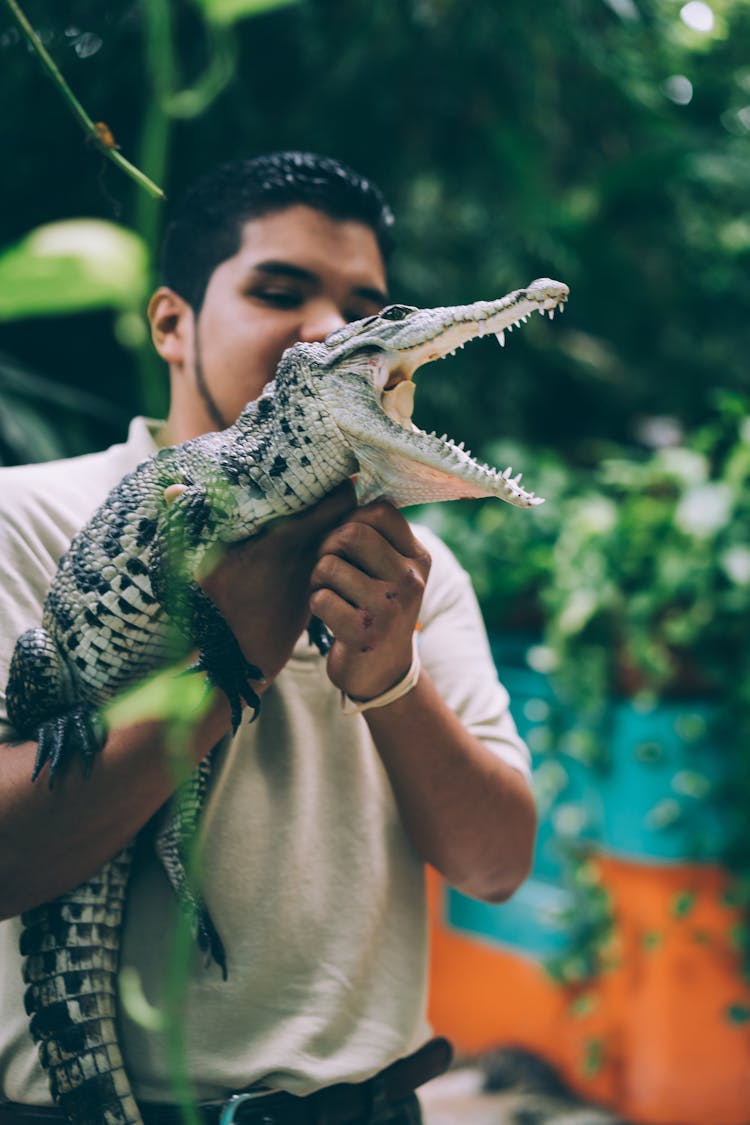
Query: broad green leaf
(72, 266)
(229, 11)
(134, 1001)
(166, 696)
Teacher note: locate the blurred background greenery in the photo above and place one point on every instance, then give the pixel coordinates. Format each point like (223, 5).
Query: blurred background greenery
(602, 142)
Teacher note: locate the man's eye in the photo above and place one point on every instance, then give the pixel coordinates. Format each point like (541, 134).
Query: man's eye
(279, 298)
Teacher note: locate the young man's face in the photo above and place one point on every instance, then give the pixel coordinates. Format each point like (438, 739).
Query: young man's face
(297, 275)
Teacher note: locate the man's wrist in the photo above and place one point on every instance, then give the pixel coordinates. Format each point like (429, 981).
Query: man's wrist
(407, 682)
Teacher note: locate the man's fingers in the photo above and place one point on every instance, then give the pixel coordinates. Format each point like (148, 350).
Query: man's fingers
(392, 525)
(368, 544)
(349, 582)
(365, 548)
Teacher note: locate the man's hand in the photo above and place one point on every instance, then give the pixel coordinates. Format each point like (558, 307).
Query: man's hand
(261, 586)
(367, 588)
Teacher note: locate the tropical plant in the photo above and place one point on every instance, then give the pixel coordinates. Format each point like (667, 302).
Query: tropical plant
(638, 581)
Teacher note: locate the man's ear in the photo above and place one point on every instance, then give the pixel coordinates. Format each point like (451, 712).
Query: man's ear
(171, 320)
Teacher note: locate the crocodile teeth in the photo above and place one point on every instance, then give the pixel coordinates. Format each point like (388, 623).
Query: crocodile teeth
(500, 337)
(551, 313)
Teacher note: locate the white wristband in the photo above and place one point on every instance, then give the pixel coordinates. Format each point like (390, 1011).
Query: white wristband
(352, 707)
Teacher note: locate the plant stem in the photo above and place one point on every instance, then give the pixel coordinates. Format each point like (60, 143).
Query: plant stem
(76, 108)
(153, 153)
(182, 952)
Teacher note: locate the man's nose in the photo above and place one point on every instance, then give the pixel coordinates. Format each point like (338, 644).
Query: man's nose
(321, 319)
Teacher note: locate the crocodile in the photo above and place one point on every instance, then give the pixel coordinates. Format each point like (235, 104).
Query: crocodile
(128, 583)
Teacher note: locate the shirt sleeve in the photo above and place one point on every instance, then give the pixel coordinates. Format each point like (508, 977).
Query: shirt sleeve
(30, 546)
(455, 651)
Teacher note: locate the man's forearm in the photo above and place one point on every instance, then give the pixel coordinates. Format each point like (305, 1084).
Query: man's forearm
(52, 840)
(466, 811)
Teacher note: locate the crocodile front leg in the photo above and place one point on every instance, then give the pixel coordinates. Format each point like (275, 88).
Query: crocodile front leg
(182, 526)
(219, 654)
(43, 706)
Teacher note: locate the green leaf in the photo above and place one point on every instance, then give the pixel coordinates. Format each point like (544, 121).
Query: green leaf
(664, 814)
(134, 1001)
(683, 903)
(691, 783)
(738, 1013)
(649, 752)
(72, 266)
(164, 697)
(739, 936)
(594, 1057)
(229, 11)
(584, 1005)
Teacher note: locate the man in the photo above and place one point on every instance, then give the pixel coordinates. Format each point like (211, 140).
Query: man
(318, 822)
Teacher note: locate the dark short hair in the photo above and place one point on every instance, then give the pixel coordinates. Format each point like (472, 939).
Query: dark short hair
(205, 227)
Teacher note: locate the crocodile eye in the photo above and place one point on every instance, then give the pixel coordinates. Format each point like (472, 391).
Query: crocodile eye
(396, 312)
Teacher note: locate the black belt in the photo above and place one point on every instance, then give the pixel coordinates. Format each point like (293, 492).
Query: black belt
(343, 1104)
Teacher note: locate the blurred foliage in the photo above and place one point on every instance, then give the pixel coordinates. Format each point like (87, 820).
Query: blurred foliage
(605, 143)
(42, 419)
(72, 266)
(650, 574)
(55, 270)
(636, 577)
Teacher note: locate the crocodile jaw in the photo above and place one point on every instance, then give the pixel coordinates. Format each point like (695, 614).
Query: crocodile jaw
(409, 466)
(373, 400)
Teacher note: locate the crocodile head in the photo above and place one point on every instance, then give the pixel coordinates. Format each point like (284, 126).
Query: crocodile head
(364, 374)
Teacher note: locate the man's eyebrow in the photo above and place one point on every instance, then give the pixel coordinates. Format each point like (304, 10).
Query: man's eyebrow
(298, 273)
(378, 296)
(285, 269)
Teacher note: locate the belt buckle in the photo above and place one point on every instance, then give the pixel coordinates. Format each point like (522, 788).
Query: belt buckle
(234, 1101)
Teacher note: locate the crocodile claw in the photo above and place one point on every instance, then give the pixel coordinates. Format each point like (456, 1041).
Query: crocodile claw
(78, 731)
(232, 676)
(320, 636)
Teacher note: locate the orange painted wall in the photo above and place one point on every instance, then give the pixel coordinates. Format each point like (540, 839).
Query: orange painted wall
(650, 1037)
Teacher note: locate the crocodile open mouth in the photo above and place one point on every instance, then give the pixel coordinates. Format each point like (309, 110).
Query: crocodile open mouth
(397, 460)
(397, 368)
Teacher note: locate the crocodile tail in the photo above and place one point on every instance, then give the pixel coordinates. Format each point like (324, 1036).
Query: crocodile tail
(71, 948)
